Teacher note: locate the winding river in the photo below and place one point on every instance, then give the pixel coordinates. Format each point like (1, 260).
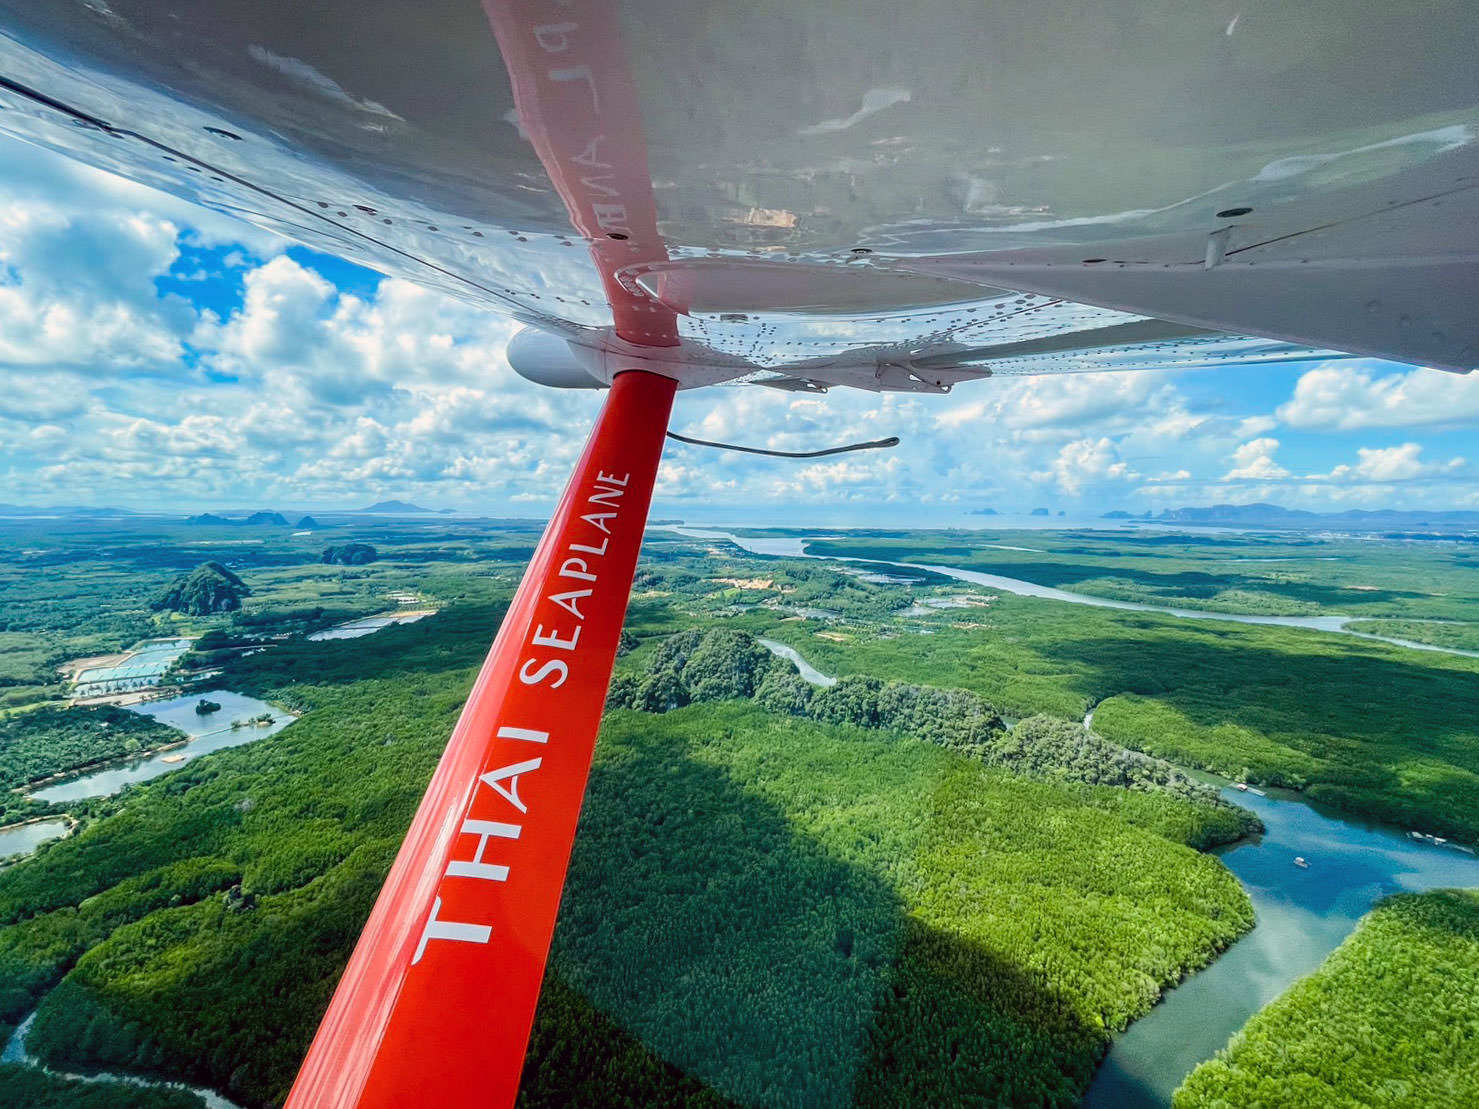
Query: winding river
(1303, 913)
(15, 1052)
(795, 547)
(808, 672)
(209, 732)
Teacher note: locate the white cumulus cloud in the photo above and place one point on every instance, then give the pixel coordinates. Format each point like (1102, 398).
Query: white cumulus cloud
(1254, 461)
(272, 385)
(1350, 398)
(1087, 462)
(1393, 464)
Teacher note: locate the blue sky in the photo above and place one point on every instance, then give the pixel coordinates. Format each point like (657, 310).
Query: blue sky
(156, 355)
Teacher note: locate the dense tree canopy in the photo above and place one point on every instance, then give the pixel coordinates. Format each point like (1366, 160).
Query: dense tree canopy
(781, 894)
(350, 554)
(1392, 1018)
(761, 907)
(48, 741)
(720, 663)
(28, 1088)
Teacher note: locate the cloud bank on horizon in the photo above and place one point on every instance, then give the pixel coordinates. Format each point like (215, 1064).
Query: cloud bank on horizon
(155, 354)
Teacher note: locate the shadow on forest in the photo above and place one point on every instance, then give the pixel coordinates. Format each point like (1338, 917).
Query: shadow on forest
(226, 999)
(1355, 693)
(751, 959)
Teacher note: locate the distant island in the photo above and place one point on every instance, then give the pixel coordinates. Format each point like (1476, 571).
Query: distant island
(61, 510)
(255, 519)
(307, 522)
(1277, 517)
(394, 508)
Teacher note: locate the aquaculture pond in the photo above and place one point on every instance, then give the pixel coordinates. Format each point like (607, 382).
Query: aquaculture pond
(239, 720)
(365, 625)
(141, 667)
(22, 839)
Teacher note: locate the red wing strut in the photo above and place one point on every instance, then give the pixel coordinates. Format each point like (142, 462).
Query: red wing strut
(438, 999)
(577, 104)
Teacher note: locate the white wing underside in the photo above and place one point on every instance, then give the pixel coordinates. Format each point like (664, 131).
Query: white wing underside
(1361, 238)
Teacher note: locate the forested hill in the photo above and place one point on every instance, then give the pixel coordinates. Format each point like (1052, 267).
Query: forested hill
(209, 588)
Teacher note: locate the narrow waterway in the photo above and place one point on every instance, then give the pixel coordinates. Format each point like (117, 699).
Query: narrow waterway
(228, 726)
(15, 1052)
(1303, 914)
(214, 731)
(808, 672)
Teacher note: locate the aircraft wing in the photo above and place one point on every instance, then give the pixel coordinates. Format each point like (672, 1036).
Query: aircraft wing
(843, 194)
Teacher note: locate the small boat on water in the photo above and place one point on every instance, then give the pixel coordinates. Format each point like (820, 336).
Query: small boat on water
(172, 758)
(1301, 862)
(1428, 837)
